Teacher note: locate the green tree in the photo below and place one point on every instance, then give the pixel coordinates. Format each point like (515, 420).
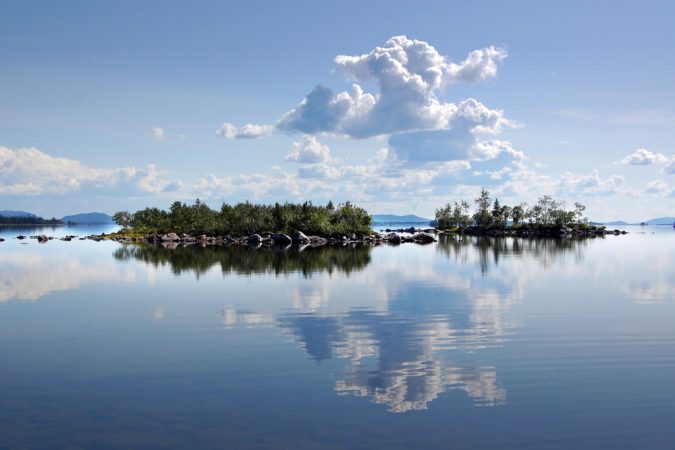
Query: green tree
(579, 216)
(482, 216)
(122, 218)
(518, 213)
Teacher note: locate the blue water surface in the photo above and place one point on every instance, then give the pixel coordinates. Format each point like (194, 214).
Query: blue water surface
(465, 343)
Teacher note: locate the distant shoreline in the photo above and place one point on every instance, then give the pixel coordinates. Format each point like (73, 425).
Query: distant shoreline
(32, 225)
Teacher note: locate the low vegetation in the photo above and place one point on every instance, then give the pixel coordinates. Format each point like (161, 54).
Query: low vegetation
(248, 218)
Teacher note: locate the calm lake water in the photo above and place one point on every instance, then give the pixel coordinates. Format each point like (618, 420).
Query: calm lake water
(467, 343)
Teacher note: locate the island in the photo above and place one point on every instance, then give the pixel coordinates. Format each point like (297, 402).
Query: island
(286, 224)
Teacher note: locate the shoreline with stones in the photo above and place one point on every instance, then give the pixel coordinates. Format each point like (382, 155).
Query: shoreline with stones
(389, 236)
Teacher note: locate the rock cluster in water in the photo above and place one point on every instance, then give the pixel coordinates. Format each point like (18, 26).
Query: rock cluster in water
(257, 240)
(281, 239)
(390, 236)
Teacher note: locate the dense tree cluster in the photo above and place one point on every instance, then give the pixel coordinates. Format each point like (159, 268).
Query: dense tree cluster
(28, 220)
(248, 218)
(547, 212)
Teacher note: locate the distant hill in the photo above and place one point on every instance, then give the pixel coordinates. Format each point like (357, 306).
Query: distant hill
(12, 213)
(93, 217)
(391, 218)
(657, 221)
(661, 221)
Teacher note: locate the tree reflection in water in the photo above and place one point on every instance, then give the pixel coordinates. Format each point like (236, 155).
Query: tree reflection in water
(248, 261)
(428, 337)
(490, 249)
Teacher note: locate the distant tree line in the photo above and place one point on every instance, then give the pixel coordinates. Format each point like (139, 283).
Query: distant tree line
(546, 212)
(28, 220)
(248, 218)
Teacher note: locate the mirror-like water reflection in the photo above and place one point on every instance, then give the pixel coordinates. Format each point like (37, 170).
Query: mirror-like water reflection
(249, 261)
(548, 343)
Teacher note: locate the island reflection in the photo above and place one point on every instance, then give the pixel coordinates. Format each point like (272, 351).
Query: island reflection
(432, 330)
(490, 249)
(248, 261)
(245, 260)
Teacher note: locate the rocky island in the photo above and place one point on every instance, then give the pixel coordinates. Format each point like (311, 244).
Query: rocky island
(306, 224)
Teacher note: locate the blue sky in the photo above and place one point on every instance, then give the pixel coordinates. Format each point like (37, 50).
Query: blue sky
(121, 105)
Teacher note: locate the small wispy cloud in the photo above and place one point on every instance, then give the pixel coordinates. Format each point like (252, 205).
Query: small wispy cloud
(248, 131)
(158, 133)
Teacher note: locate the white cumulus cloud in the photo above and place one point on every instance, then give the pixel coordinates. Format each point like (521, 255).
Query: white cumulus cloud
(29, 171)
(658, 187)
(308, 150)
(248, 131)
(669, 168)
(319, 171)
(479, 65)
(643, 157)
(409, 73)
(591, 184)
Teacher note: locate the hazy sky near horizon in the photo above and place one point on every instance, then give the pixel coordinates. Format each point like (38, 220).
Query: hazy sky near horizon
(399, 107)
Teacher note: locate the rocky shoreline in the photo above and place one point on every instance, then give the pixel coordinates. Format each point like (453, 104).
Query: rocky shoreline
(390, 236)
(278, 239)
(172, 240)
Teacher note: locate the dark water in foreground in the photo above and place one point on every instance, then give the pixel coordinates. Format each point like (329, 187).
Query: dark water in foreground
(467, 343)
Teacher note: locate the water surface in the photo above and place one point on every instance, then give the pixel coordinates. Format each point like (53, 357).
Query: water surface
(467, 343)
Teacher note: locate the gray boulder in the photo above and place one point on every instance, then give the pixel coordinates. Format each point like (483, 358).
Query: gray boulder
(393, 238)
(281, 239)
(424, 237)
(170, 237)
(254, 239)
(299, 237)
